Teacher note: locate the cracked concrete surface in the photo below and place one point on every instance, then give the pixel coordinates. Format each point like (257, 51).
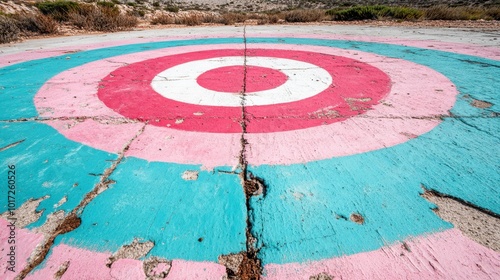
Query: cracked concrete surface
(313, 200)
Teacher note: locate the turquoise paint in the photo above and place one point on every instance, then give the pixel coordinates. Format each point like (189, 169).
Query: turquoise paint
(301, 217)
(151, 201)
(20, 82)
(49, 164)
(460, 158)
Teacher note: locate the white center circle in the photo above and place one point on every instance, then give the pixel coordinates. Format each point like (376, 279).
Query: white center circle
(303, 80)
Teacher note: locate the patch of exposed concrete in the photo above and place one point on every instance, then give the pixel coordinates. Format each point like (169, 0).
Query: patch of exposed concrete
(156, 268)
(62, 269)
(135, 250)
(190, 175)
(26, 213)
(321, 276)
(61, 202)
(50, 225)
(232, 263)
(478, 226)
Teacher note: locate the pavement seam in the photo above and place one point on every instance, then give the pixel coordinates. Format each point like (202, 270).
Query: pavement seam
(73, 220)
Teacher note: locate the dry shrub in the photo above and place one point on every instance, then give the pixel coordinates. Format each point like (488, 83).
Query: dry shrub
(101, 18)
(304, 15)
(162, 19)
(8, 30)
(59, 9)
(493, 13)
(273, 19)
(191, 20)
(442, 12)
(268, 19)
(36, 23)
(232, 18)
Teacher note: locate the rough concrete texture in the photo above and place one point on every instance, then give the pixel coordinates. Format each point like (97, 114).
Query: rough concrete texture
(135, 250)
(283, 152)
(26, 213)
(475, 224)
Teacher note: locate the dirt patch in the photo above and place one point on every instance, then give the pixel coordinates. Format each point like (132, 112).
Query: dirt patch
(357, 218)
(481, 227)
(242, 266)
(62, 269)
(70, 223)
(254, 186)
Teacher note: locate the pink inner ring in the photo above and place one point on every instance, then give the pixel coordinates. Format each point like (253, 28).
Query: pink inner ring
(357, 87)
(231, 79)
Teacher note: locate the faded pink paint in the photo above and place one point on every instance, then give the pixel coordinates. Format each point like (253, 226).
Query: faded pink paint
(85, 264)
(443, 255)
(182, 270)
(408, 100)
(10, 59)
(106, 135)
(469, 49)
(55, 98)
(461, 48)
(387, 124)
(26, 242)
(230, 79)
(171, 145)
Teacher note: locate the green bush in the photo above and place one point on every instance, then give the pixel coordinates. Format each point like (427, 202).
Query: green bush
(304, 15)
(59, 10)
(493, 13)
(375, 12)
(443, 12)
(173, 9)
(404, 13)
(106, 4)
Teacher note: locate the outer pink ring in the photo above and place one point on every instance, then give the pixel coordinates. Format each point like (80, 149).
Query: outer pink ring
(405, 113)
(441, 255)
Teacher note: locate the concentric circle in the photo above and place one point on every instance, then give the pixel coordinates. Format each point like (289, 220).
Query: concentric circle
(309, 88)
(321, 160)
(354, 104)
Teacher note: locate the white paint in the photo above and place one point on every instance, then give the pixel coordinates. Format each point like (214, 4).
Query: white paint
(179, 82)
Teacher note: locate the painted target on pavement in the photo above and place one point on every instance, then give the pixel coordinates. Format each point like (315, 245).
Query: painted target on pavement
(348, 109)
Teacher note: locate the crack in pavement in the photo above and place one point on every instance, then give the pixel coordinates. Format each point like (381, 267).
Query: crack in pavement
(72, 221)
(249, 266)
(11, 145)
